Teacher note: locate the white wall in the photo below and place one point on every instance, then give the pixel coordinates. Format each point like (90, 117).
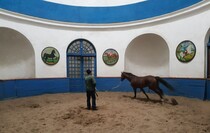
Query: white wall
(16, 55)
(192, 24)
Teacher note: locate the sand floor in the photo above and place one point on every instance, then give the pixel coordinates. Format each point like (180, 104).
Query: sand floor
(117, 112)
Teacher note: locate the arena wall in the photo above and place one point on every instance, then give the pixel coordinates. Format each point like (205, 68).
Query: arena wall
(192, 88)
(161, 29)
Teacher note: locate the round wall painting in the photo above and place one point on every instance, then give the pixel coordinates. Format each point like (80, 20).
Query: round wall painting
(50, 56)
(110, 57)
(185, 51)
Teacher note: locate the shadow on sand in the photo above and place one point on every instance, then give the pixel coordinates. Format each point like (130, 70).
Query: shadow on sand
(167, 101)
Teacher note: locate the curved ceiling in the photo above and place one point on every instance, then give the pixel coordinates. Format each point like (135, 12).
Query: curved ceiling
(95, 3)
(95, 14)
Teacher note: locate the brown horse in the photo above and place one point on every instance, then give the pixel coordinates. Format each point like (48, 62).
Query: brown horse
(148, 81)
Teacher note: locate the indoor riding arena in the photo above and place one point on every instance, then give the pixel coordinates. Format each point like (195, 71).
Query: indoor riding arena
(150, 60)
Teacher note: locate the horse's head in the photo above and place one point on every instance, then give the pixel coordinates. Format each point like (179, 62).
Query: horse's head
(122, 76)
(126, 75)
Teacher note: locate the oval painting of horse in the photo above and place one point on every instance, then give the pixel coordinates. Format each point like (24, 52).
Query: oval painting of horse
(185, 51)
(50, 55)
(110, 57)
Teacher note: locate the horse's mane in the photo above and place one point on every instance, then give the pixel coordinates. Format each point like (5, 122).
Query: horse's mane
(130, 74)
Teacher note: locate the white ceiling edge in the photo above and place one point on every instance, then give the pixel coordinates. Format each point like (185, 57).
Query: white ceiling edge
(95, 3)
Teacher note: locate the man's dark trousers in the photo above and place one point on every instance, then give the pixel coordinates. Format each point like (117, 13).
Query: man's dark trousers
(91, 94)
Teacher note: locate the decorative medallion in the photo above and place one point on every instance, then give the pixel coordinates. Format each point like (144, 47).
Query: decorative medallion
(110, 57)
(185, 51)
(50, 56)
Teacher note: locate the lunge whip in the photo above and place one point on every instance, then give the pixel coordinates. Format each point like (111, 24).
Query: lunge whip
(117, 86)
(96, 92)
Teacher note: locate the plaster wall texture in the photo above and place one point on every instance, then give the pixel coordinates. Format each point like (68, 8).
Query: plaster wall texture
(172, 29)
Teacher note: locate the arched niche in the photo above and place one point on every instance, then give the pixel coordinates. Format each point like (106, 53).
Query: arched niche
(207, 42)
(17, 58)
(147, 54)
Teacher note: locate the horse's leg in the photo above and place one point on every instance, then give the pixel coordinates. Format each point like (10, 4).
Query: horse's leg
(159, 93)
(163, 97)
(52, 59)
(144, 93)
(46, 57)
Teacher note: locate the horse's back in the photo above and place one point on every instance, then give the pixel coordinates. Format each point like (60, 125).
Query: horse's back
(148, 78)
(150, 81)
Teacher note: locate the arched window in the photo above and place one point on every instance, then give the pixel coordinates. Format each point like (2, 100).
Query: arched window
(81, 55)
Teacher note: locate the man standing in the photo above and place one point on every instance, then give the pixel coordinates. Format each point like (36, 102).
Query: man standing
(90, 83)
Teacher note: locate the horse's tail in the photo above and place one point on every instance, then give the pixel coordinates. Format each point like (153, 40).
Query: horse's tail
(165, 83)
(45, 56)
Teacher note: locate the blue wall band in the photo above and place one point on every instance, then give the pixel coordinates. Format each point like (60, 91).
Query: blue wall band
(193, 88)
(95, 15)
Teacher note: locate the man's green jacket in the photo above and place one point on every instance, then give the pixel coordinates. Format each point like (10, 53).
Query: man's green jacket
(90, 83)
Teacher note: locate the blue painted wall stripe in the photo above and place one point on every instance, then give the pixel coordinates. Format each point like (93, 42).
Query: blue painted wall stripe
(23, 88)
(193, 88)
(207, 91)
(95, 15)
(8, 89)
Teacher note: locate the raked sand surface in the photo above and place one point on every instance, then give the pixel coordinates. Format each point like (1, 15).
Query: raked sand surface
(117, 112)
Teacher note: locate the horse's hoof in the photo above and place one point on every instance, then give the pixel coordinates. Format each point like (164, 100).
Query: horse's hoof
(166, 99)
(173, 101)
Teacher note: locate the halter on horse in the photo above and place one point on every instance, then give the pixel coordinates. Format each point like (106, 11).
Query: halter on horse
(148, 81)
